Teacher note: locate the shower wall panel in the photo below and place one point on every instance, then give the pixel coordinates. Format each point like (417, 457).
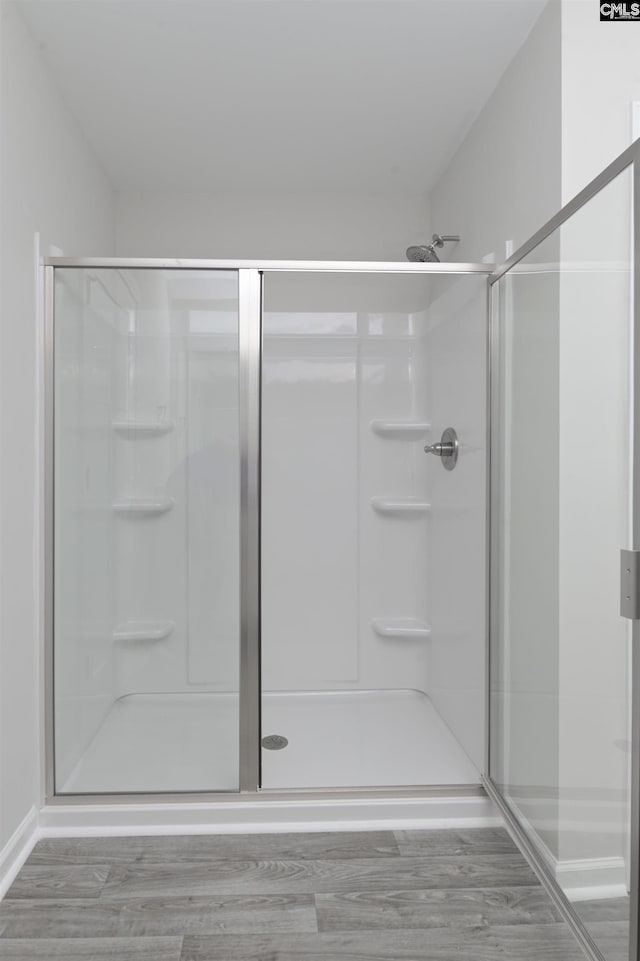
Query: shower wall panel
(344, 501)
(178, 569)
(394, 494)
(150, 457)
(310, 502)
(212, 497)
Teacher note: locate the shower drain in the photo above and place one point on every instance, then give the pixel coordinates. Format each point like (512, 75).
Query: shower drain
(274, 742)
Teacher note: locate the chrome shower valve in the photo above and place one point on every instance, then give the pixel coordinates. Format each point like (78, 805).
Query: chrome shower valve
(446, 449)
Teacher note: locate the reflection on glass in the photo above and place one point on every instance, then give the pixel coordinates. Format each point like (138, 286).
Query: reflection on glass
(146, 530)
(561, 668)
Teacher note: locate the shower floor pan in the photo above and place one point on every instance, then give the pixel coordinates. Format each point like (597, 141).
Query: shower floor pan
(188, 742)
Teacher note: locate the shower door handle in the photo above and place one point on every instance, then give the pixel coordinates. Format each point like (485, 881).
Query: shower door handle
(630, 585)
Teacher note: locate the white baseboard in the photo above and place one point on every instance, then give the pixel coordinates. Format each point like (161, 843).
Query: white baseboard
(264, 816)
(245, 817)
(590, 879)
(17, 849)
(581, 879)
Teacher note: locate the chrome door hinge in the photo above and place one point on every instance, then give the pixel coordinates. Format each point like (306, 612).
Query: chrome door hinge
(630, 584)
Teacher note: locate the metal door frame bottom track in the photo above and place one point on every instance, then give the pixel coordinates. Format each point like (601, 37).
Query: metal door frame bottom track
(541, 869)
(276, 794)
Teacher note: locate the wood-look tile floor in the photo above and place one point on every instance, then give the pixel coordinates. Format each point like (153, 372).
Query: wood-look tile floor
(373, 896)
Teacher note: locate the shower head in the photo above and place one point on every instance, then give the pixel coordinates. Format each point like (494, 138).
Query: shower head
(427, 254)
(422, 255)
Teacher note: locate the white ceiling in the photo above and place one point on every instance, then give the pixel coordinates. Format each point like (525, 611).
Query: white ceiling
(229, 95)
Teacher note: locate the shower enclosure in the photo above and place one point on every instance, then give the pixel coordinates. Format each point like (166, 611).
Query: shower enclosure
(246, 526)
(260, 583)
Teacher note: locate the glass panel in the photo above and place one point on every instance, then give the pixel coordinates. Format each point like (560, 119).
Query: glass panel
(371, 670)
(560, 748)
(146, 530)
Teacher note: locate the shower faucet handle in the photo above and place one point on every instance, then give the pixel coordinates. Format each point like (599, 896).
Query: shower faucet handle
(440, 450)
(446, 449)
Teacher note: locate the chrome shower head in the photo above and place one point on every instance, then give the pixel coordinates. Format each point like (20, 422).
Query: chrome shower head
(423, 255)
(427, 253)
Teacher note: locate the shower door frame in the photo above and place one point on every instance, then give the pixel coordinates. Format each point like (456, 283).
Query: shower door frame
(629, 159)
(250, 315)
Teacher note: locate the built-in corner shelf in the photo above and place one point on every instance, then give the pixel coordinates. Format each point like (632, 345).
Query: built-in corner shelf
(404, 628)
(143, 630)
(406, 506)
(136, 428)
(400, 429)
(143, 505)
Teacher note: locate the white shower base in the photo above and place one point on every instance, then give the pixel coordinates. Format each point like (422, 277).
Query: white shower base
(188, 742)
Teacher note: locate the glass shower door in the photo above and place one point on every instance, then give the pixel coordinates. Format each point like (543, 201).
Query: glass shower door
(562, 464)
(146, 518)
(372, 676)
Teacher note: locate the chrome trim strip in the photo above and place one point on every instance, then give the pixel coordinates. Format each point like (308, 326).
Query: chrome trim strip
(49, 505)
(310, 266)
(490, 580)
(541, 868)
(634, 841)
(634, 855)
(629, 156)
(250, 366)
(301, 794)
